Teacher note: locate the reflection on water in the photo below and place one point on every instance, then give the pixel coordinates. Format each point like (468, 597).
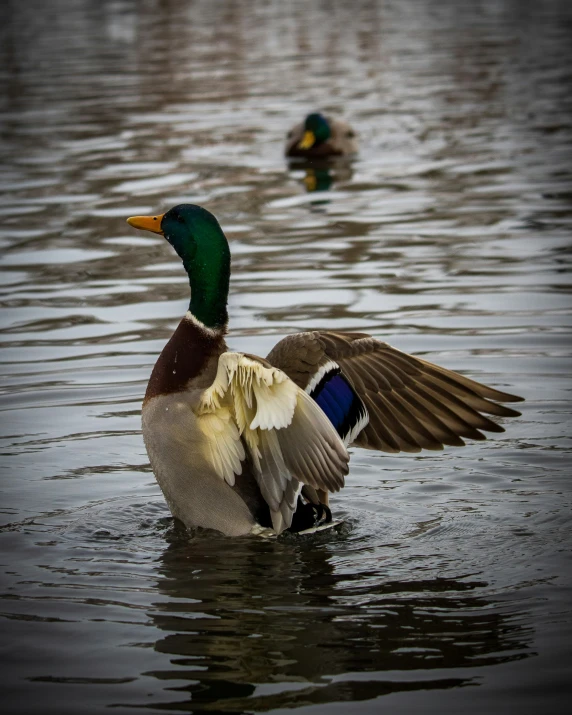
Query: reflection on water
(322, 175)
(318, 179)
(316, 635)
(448, 236)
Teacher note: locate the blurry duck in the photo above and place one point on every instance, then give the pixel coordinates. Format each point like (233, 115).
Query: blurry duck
(319, 136)
(243, 444)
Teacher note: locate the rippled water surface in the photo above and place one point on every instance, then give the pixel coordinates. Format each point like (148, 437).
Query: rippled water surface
(448, 587)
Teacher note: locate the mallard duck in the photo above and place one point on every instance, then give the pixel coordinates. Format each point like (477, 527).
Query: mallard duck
(319, 136)
(243, 444)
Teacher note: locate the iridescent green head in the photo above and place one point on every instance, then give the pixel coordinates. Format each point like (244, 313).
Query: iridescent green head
(316, 131)
(197, 237)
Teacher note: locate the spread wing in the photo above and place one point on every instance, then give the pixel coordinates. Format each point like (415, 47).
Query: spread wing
(410, 404)
(254, 407)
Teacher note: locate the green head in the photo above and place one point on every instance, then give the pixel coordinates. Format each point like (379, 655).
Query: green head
(316, 131)
(197, 237)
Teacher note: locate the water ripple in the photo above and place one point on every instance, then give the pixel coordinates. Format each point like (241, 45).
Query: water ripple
(447, 236)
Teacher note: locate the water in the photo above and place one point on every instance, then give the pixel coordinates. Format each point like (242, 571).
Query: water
(448, 587)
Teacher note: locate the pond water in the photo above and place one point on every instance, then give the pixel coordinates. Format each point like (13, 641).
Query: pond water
(448, 587)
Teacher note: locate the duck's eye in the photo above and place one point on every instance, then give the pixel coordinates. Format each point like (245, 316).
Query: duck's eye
(290, 134)
(350, 134)
(180, 219)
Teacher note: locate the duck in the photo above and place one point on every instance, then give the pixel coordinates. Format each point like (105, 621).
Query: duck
(319, 136)
(242, 444)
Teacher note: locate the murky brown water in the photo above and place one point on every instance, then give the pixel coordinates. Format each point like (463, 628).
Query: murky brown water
(448, 589)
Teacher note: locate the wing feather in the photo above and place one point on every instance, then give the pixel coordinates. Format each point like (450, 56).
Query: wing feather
(412, 403)
(222, 443)
(254, 407)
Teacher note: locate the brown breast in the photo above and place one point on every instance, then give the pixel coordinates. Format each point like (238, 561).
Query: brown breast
(191, 352)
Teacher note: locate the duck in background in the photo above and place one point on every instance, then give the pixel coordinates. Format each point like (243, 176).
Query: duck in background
(320, 137)
(251, 445)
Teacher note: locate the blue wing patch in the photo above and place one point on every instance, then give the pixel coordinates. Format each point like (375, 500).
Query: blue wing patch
(338, 399)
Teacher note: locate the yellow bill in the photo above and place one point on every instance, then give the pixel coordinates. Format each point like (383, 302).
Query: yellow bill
(147, 223)
(307, 141)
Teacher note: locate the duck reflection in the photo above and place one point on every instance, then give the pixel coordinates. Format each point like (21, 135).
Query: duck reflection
(318, 179)
(322, 174)
(254, 624)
